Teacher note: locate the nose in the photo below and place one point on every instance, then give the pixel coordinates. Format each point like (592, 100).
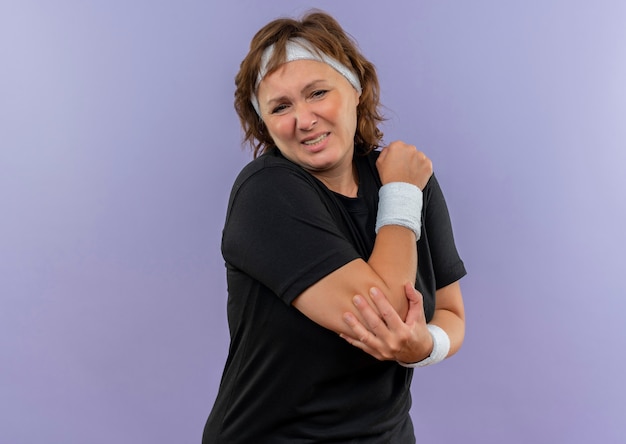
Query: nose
(306, 118)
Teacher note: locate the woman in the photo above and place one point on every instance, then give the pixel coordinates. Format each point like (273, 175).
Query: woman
(321, 254)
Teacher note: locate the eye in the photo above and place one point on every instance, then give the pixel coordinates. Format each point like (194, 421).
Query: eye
(317, 94)
(279, 108)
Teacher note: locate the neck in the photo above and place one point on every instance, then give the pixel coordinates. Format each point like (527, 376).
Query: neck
(346, 184)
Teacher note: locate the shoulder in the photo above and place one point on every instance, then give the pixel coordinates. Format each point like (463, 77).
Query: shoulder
(432, 191)
(270, 170)
(274, 183)
(372, 156)
(366, 165)
(272, 160)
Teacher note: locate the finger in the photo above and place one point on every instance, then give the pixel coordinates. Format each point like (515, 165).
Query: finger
(362, 338)
(414, 296)
(416, 305)
(360, 332)
(363, 347)
(389, 315)
(373, 321)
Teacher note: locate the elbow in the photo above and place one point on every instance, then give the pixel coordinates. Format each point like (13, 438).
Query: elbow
(456, 332)
(456, 341)
(399, 299)
(394, 296)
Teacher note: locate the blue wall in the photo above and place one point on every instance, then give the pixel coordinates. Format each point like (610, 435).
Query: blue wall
(118, 147)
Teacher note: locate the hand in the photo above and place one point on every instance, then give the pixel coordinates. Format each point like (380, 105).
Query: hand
(400, 162)
(386, 337)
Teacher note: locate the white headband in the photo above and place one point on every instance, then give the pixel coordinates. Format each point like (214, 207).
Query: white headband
(300, 49)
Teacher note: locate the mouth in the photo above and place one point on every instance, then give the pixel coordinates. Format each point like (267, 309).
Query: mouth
(315, 141)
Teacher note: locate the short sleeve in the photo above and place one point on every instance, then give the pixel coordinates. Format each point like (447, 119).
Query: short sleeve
(447, 264)
(279, 231)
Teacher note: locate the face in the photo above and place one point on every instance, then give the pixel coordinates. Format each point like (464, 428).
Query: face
(309, 110)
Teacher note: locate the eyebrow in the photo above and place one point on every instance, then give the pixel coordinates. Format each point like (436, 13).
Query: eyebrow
(306, 87)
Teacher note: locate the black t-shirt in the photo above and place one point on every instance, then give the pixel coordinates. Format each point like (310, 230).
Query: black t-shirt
(286, 378)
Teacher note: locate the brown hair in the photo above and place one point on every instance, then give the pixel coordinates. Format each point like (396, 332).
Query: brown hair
(326, 35)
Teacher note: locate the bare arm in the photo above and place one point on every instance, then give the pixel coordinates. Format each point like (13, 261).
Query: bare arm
(392, 262)
(386, 337)
(450, 315)
(327, 300)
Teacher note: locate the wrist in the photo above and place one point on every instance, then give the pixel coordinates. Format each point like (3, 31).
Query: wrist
(440, 350)
(400, 203)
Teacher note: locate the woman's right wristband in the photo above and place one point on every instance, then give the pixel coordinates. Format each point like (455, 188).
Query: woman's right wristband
(441, 348)
(400, 203)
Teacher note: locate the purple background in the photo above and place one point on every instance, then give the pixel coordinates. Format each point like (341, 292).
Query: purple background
(119, 145)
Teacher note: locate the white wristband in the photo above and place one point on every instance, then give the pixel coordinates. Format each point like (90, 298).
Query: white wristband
(400, 203)
(441, 348)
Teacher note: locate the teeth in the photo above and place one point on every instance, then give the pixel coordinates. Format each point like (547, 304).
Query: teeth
(316, 140)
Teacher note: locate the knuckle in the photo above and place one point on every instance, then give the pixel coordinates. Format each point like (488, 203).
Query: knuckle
(394, 347)
(375, 323)
(386, 314)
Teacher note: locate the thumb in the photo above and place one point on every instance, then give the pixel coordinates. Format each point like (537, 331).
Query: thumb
(416, 309)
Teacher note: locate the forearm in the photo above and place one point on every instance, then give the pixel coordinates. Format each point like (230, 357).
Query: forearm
(453, 325)
(398, 227)
(450, 315)
(394, 261)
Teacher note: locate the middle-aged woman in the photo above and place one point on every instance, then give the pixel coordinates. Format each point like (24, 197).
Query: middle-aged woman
(322, 241)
